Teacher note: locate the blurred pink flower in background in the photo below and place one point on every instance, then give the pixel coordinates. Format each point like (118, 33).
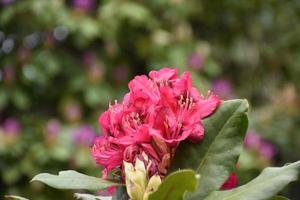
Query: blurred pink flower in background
(195, 61)
(89, 58)
(222, 88)
(7, 2)
(252, 140)
(84, 135)
(11, 126)
(121, 73)
(95, 72)
(267, 150)
(53, 128)
(263, 147)
(94, 68)
(84, 5)
(72, 111)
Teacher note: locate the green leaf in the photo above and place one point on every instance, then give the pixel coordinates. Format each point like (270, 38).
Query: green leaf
(217, 155)
(279, 198)
(74, 180)
(90, 197)
(174, 185)
(13, 197)
(267, 184)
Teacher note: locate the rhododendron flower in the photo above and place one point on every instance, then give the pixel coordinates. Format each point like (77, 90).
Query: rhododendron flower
(107, 154)
(157, 114)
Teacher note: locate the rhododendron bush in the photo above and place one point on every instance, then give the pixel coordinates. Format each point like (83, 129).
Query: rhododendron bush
(166, 140)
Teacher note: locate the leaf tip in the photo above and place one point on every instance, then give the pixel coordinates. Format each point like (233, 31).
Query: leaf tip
(33, 179)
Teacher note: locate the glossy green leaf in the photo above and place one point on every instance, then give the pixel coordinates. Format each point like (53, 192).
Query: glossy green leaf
(74, 180)
(174, 186)
(217, 155)
(266, 185)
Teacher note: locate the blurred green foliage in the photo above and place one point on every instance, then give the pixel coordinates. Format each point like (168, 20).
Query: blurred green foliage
(61, 62)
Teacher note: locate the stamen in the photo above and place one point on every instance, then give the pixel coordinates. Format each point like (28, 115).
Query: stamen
(186, 103)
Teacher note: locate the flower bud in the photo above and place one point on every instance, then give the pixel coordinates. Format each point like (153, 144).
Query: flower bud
(138, 185)
(152, 186)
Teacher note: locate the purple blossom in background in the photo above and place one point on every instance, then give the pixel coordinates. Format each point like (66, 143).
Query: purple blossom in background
(95, 72)
(6, 2)
(85, 5)
(11, 126)
(73, 111)
(89, 58)
(252, 140)
(121, 73)
(53, 127)
(84, 135)
(262, 146)
(195, 61)
(95, 69)
(222, 88)
(267, 150)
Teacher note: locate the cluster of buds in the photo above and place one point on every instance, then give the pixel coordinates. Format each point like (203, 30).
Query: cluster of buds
(138, 184)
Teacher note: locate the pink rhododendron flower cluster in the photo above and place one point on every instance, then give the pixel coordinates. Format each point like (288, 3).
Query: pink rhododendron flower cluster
(157, 114)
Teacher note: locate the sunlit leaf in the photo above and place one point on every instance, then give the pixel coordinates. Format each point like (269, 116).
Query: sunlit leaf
(90, 197)
(216, 156)
(74, 180)
(175, 185)
(266, 185)
(13, 197)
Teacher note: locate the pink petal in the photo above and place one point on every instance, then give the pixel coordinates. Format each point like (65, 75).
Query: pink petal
(168, 98)
(110, 119)
(163, 74)
(104, 122)
(142, 87)
(143, 134)
(130, 153)
(149, 149)
(231, 182)
(173, 141)
(197, 133)
(183, 84)
(208, 106)
(107, 154)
